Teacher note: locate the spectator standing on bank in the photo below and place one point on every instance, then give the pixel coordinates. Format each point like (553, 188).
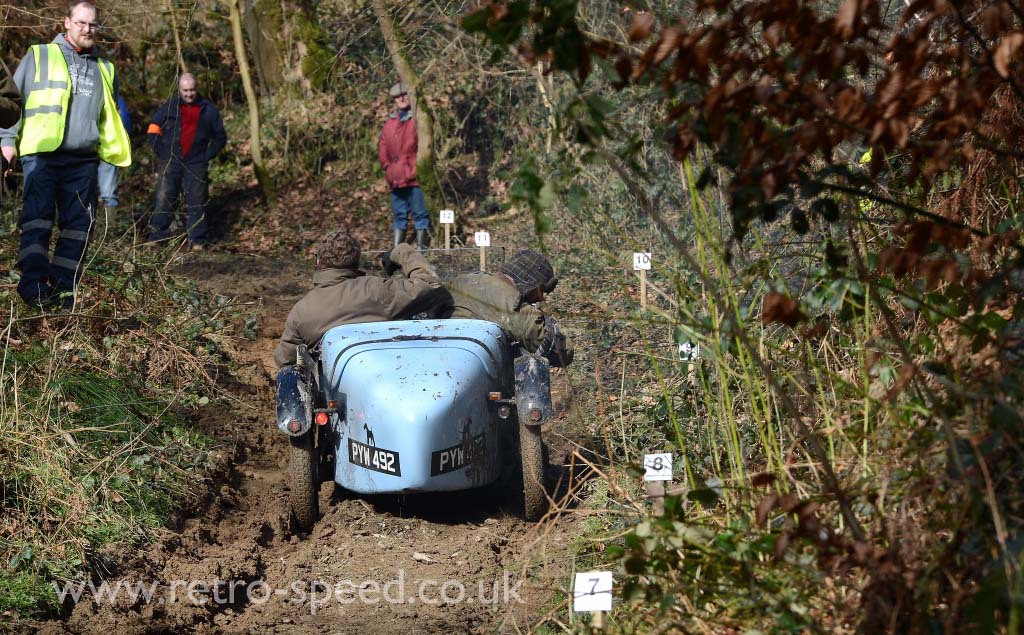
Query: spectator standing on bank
(397, 153)
(186, 134)
(68, 123)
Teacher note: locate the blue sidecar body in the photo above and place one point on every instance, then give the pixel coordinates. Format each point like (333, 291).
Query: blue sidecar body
(420, 405)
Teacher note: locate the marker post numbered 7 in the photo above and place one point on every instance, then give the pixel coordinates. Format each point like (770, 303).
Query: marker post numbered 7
(447, 219)
(483, 240)
(642, 263)
(592, 593)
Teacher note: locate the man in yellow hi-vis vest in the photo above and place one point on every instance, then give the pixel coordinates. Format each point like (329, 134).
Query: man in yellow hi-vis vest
(69, 121)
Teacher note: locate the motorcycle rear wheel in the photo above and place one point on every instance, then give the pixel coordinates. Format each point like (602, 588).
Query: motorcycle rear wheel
(304, 472)
(531, 455)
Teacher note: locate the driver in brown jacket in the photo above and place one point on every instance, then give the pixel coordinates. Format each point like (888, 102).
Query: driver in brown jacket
(507, 298)
(343, 294)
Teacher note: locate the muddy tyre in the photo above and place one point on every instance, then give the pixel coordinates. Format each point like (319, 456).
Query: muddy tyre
(304, 472)
(531, 457)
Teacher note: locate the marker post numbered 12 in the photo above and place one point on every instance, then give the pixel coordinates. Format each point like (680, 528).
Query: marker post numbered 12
(483, 240)
(642, 263)
(447, 219)
(592, 593)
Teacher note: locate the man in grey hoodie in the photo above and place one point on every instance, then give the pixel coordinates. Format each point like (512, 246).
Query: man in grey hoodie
(69, 121)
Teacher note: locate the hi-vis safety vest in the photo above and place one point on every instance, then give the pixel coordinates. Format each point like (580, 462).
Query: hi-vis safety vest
(46, 105)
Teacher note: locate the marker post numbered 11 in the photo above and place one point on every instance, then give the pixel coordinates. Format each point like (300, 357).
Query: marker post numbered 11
(447, 219)
(592, 593)
(642, 263)
(483, 240)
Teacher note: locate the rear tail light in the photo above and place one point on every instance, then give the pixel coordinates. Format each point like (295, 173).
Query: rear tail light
(294, 425)
(321, 418)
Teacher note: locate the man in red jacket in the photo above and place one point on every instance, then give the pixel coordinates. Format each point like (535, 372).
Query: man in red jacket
(397, 153)
(186, 133)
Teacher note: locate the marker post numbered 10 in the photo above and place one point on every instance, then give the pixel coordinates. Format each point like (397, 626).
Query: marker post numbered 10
(642, 263)
(592, 593)
(483, 240)
(447, 219)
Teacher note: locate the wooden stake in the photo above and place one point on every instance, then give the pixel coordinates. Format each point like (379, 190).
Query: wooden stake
(483, 259)
(643, 289)
(597, 621)
(447, 237)
(656, 494)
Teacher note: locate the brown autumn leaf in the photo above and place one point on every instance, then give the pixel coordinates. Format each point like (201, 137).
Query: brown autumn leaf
(762, 478)
(1005, 52)
(640, 28)
(781, 308)
(667, 43)
(846, 18)
(773, 34)
(781, 544)
(764, 508)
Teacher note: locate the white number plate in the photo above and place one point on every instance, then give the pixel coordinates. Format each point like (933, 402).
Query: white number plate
(482, 239)
(372, 458)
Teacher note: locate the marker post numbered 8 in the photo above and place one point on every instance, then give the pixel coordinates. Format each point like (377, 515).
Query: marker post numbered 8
(483, 240)
(657, 474)
(642, 263)
(447, 219)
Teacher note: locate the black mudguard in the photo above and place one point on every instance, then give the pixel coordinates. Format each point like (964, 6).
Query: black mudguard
(533, 389)
(294, 401)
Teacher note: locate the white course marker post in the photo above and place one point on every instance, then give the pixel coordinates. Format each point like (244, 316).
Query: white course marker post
(642, 263)
(483, 240)
(447, 219)
(657, 473)
(592, 593)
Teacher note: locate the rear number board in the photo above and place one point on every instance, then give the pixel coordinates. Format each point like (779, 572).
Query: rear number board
(376, 459)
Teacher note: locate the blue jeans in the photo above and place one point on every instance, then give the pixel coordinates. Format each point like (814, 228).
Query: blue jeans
(58, 187)
(107, 175)
(406, 200)
(173, 176)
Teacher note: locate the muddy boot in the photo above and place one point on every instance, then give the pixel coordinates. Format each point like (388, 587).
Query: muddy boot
(399, 237)
(422, 239)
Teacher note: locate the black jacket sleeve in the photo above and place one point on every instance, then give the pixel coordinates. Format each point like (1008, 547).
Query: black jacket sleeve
(156, 141)
(218, 137)
(10, 99)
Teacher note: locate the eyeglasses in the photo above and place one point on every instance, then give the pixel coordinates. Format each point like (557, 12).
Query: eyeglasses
(402, 95)
(82, 25)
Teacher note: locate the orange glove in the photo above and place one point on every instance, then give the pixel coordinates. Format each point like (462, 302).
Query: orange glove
(154, 129)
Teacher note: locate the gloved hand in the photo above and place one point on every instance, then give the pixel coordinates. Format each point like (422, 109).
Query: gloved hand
(390, 266)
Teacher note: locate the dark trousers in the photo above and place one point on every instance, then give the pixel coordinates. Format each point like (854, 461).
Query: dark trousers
(174, 178)
(58, 187)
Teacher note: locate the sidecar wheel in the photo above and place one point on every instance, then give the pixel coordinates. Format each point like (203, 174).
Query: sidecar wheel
(531, 455)
(303, 466)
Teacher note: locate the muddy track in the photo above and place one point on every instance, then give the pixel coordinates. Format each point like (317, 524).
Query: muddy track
(373, 565)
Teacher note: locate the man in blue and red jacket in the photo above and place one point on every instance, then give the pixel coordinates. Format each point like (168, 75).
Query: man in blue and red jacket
(186, 133)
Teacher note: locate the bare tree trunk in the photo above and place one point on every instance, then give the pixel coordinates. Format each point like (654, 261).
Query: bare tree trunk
(264, 24)
(177, 36)
(262, 175)
(424, 120)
